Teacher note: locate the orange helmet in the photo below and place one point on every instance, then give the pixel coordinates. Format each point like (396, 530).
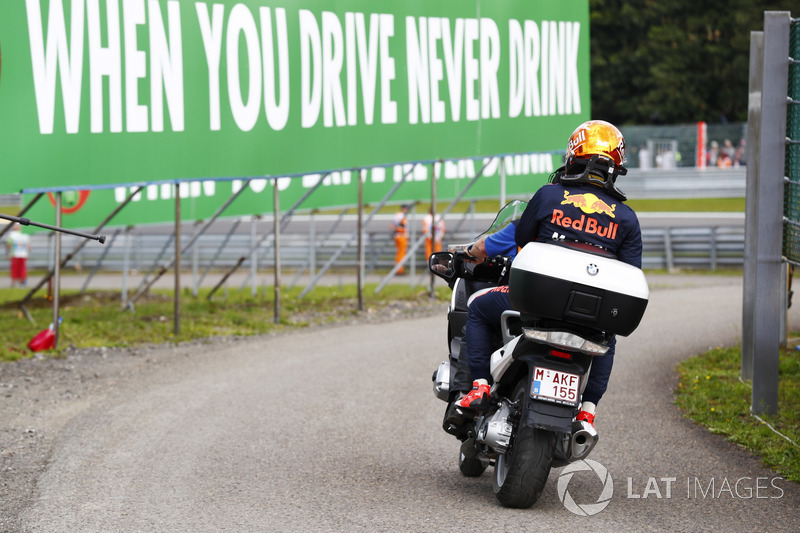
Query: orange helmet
(595, 154)
(597, 137)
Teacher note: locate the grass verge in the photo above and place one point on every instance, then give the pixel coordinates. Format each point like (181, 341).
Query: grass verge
(96, 318)
(679, 205)
(710, 393)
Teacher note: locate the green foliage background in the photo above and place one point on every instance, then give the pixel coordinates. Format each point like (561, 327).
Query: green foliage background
(672, 61)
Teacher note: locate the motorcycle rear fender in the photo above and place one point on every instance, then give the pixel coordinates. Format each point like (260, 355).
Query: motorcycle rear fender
(542, 414)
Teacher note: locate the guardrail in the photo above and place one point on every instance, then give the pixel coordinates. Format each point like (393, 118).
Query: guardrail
(707, 248)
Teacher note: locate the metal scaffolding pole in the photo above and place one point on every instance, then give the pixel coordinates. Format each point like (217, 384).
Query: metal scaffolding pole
(353, 235)
(69, 256)
(360, 254)
(219, 250)
(276, 229)
(99, 262)
(57, 273)
(310, 263)
(413, 249)
(178, 249)
(176, 315)
(433, 226)
(21, 212)
(284, 220)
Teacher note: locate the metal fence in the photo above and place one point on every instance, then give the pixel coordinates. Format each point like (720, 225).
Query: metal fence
(771, 202)
(664, 248)
(686, 145)
(246, 240)
(791, 202)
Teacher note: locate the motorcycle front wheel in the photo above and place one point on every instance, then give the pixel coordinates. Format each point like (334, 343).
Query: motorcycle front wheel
(521, 473)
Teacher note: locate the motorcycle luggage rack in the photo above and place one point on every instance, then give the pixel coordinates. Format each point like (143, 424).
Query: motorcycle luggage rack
(510, 325)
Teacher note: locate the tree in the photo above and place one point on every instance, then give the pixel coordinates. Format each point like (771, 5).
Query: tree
(672, 61)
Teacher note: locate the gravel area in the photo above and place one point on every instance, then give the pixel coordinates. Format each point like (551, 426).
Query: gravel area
(39, 395)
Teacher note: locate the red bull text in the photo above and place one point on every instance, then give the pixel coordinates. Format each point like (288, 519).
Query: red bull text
(587, 224)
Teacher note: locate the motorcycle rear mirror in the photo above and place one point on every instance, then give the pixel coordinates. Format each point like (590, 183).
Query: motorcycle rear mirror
(441, 264)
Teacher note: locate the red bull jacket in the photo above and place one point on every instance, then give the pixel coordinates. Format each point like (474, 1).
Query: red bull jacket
(584, 213)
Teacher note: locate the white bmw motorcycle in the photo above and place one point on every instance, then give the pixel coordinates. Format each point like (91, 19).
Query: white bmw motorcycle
(568, 300)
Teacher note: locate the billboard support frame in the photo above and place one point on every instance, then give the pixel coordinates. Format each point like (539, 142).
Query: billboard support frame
(178, 249)
(337, 253)
(59, 262)
(413, 248)
(283, 220)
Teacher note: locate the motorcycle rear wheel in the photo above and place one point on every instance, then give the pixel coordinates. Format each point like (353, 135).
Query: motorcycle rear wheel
(521, 474)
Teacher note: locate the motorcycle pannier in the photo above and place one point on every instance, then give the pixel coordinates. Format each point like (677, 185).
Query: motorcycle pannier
(561, 283)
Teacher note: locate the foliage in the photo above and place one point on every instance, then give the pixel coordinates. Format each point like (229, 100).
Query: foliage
(673, 62)
(96, 319)
(710, 393)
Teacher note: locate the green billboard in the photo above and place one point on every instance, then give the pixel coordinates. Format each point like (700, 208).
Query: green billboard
(98, 93)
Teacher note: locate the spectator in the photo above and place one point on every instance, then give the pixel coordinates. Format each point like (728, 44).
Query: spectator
(728, 149)
(400, 233)
(426, 229)
(645, 161)
(666, 159)
(740, 157)
(18, 248)
(724, 160)
(713, 154)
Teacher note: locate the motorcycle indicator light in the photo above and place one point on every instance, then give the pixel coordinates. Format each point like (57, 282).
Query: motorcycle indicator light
(565, 340)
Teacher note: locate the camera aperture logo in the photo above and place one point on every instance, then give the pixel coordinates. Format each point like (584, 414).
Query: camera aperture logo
(585, 509)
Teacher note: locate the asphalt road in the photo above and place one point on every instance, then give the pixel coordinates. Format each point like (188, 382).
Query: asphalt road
(337, 429)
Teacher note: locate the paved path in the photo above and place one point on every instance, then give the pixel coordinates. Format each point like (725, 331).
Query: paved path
(337, 429)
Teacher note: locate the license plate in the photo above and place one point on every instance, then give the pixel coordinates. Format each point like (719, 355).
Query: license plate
(555, 386)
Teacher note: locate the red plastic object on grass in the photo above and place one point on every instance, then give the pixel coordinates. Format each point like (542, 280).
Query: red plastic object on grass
(44, 340)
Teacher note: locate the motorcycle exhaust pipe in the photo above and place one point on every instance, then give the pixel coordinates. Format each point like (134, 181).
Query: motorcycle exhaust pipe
(441, 381)
(584, 438)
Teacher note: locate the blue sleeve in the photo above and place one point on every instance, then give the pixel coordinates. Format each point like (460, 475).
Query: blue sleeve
(502, 242)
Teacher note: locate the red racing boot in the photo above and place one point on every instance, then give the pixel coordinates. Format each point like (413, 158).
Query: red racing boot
(478, 397)
(585, 415)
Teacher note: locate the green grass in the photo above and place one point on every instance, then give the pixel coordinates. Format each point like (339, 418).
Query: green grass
(686, 205)
(691, 205)
(97, 319)
(710, 393)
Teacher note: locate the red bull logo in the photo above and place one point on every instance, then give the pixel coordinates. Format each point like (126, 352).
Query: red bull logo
(586, 224)
(589, 203)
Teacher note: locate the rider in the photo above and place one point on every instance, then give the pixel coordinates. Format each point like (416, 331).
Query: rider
(581, 203)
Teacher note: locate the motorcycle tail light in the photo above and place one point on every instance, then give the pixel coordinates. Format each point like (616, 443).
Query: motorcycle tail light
(565, 340)
(562, 355)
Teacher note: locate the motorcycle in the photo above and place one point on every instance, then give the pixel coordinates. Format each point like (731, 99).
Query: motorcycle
(568, 301)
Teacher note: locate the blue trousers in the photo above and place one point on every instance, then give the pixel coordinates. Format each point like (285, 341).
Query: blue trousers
(483, 327)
